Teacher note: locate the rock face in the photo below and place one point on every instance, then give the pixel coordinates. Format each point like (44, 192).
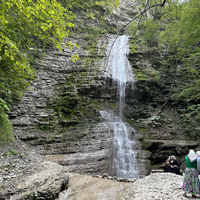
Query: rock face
(123, 14)
(59, 116)
(153, 112)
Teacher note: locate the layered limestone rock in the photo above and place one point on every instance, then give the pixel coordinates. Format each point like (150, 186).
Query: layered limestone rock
(46, 119)
(59, 116)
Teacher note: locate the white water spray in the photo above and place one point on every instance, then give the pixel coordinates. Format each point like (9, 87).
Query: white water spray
(119, 69)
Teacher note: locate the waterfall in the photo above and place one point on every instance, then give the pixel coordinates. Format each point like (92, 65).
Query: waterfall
(118, 68)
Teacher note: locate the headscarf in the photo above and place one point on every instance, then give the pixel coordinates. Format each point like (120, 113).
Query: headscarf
(198, 153)
(192, 156)
(191, 152)
(170, 157)
(174, 157)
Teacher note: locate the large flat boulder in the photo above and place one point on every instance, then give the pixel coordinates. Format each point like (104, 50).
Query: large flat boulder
(44, 184)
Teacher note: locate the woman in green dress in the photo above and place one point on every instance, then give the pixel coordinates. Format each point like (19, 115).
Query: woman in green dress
(191, 182)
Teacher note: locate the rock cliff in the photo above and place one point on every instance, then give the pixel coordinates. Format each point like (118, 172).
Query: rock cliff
(59, 116)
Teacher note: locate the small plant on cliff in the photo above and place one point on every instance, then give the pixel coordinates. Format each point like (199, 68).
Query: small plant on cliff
(11, 152)
(133, 46)
(35, 196)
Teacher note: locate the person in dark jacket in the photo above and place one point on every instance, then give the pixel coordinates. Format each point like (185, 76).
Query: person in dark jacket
(171, 165)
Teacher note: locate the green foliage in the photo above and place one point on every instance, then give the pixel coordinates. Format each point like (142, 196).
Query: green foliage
(35, 196)
(175, 28)
(191, 92)
(6, 134)
(187, 92)
(146, 34)
(183, 29)
(191, 113)
(155, 10)
(3, 106)
(11, 152)
(155, 121)
(133, 46)
(182, 35)
(190, 132)
(43, 20)
(131, 28)
(25, 25)
(150, 31)
(147, 73)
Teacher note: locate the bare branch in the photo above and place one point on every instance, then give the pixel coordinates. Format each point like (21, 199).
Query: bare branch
(164, 3)
(140, 15)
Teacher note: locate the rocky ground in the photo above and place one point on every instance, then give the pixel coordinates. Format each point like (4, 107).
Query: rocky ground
(156, 186)
(16, 161)
(26, 175)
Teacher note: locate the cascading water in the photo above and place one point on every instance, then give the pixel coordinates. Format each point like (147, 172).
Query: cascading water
(124, 146)
(119, 69)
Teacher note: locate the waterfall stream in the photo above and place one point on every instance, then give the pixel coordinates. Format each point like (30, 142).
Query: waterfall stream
(124, 164)
(119, 69)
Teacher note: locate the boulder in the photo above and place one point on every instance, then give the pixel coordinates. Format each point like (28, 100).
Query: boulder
(44, 184)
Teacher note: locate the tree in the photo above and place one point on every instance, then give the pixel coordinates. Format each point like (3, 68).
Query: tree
(26, 24)
(178, 32)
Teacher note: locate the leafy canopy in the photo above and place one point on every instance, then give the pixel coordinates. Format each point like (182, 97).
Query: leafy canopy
(25, 25)
(183, 30)
(177, 29)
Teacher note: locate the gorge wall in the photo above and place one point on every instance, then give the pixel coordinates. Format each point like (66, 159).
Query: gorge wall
(59, 116)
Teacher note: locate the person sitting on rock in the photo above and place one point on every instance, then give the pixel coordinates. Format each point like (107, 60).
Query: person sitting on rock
(171, 165)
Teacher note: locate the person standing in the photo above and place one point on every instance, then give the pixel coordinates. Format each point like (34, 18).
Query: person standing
(198, 161)
(191, 182)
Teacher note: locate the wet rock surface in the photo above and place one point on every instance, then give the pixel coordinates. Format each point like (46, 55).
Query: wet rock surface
(85, 187)
(157, 186)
